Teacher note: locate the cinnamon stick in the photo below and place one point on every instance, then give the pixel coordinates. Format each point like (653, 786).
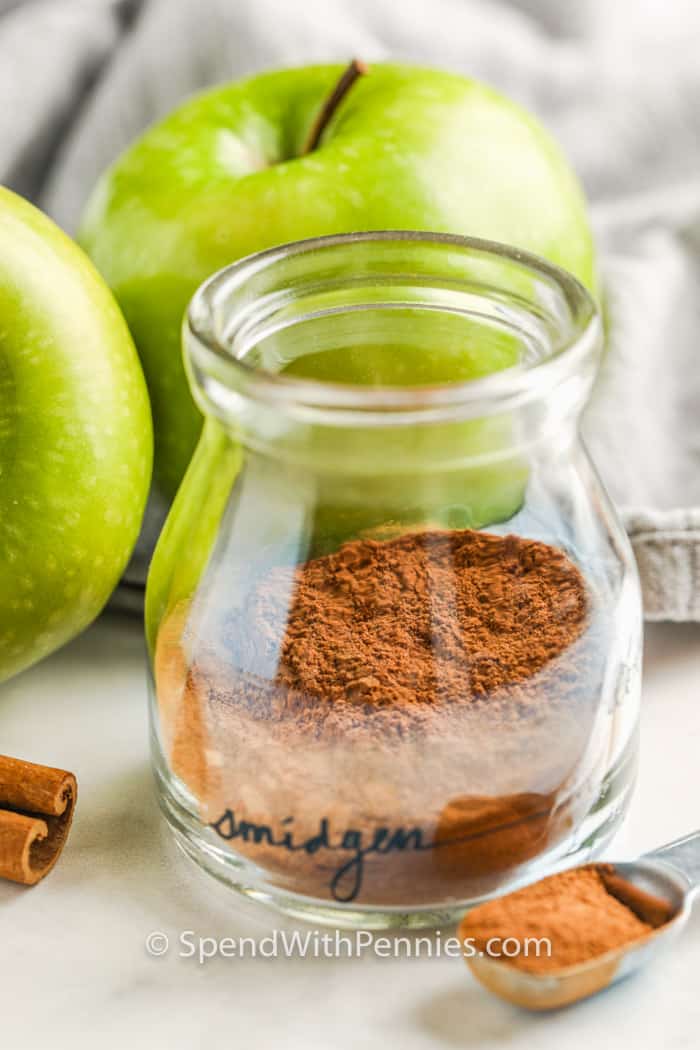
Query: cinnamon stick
(36, 810)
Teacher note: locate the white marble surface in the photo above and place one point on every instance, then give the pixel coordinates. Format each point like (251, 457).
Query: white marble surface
(75, 972)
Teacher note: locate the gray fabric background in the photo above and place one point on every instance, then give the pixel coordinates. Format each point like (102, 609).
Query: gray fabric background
(618, 81)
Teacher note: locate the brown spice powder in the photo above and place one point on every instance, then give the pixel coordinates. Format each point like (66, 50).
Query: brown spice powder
(444, 681)
(427, 619)
(582, 913)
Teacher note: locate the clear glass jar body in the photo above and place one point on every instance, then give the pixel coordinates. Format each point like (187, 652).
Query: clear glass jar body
(394, 622)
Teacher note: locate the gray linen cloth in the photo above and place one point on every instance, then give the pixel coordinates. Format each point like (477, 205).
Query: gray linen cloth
(617, 82)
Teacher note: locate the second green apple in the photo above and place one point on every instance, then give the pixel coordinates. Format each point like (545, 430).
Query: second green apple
(223, 176)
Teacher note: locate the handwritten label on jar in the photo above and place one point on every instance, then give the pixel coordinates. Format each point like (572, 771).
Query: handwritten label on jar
(346, 882)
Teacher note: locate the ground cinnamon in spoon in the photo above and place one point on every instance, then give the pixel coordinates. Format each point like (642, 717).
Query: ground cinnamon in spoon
(401, 721)
(583, 913)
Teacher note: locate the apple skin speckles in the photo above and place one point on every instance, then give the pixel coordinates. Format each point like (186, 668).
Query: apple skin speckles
(75, 438)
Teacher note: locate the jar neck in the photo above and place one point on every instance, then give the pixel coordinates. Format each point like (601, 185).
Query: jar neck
(390, 330)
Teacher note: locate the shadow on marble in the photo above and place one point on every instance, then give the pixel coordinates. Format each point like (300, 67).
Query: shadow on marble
(667, 643)
(463, 1015)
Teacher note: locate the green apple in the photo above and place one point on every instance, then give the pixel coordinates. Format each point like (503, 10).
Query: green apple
(224, 175)
(75, 438)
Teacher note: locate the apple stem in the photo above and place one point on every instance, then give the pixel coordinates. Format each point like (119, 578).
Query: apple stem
(354, 70)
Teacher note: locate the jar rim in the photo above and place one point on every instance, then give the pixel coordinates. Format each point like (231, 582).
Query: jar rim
(212, 363)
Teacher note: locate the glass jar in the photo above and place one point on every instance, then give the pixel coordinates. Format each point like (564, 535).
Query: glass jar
(394, 622)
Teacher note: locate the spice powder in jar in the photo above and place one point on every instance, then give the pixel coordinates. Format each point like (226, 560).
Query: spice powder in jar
(400, 722)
